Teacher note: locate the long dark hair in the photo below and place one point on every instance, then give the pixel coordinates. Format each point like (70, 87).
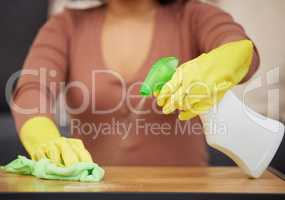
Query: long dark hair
(164, 2)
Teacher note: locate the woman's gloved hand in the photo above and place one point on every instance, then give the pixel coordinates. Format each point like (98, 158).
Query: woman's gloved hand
(200, 83)
(42, 139)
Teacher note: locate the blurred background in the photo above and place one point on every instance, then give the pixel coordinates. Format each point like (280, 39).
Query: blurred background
(262, 19)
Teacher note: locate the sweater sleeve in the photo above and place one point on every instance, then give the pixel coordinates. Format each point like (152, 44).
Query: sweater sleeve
(44, 71)
(215, 27)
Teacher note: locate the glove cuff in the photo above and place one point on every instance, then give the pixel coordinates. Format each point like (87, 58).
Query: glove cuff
(37, 131)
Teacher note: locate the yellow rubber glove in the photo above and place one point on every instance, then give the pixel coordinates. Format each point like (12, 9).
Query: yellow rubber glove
(42, 139)
(200, 83)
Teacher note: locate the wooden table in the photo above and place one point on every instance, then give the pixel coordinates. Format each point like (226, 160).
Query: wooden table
(218, 182)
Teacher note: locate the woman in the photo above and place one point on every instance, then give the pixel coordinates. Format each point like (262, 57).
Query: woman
(102, 55)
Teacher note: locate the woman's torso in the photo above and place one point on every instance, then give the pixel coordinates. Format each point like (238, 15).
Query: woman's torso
(120, 136)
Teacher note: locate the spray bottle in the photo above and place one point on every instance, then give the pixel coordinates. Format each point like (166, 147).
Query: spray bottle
(251, 140)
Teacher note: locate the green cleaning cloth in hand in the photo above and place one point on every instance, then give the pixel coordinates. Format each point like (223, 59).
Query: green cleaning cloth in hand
(84, 172)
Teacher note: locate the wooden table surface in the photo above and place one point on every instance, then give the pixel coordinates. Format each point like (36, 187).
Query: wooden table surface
(154, 179)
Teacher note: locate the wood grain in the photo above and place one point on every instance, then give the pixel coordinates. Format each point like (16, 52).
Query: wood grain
(153, 179)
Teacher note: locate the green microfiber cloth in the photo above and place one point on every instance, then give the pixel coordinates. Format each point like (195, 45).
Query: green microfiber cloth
(84, 172)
